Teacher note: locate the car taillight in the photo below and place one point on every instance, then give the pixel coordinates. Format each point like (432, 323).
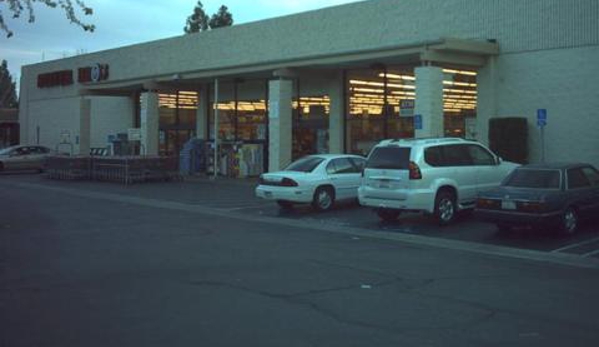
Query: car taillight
(415, 173)
(488, 203)
(531, 206)
(288, 182)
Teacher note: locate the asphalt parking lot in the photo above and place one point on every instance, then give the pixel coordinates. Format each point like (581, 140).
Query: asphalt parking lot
(237, 196)
(467, 228)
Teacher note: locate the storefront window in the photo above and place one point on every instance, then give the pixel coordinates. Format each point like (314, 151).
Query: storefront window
(459, 102)
(376, 96)
(242, 128)
(374, 106)
(311, 125)
(177, 114)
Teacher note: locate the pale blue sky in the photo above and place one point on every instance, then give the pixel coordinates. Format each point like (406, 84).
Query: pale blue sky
(125, 22)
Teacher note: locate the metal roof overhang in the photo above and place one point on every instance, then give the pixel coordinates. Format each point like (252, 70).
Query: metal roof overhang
(443, 51)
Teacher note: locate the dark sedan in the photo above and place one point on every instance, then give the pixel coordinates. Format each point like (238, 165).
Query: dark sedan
(555, 195)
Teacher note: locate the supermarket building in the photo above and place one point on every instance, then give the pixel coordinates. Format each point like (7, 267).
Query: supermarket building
(322, 81)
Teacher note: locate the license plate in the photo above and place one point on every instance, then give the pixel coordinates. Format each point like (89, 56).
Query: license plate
(508, 205)
(384, 184)
(268, 194)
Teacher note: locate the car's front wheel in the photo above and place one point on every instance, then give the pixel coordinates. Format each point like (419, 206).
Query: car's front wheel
(445, 208)
(387, 215)
(324, 199)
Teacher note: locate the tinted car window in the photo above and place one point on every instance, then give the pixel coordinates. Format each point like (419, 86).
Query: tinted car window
(340, 166)
(456, 155)
(577, 179)
(42, 150)
(307, 164)
(592, 175)
(22, 151)
(36, 150)
(396, 158)
(433, 156)
(534, 178)
(480, 156)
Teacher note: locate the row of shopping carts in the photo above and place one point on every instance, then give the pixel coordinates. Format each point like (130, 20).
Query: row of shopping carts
(122, 169)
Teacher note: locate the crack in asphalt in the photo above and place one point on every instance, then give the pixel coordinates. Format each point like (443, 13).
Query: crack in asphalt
(301, 299)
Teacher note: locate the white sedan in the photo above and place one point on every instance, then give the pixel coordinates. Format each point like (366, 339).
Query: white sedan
(319, 180)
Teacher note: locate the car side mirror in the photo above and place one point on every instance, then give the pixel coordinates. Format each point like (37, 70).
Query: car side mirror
(498, 160)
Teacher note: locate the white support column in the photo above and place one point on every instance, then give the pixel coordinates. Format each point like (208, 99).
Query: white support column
(280, 123)
(85, 107)
(202, 113)
(149, 122)
(429, 101)
(336, 116)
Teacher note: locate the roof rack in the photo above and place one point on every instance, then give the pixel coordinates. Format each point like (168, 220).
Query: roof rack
(424, 139)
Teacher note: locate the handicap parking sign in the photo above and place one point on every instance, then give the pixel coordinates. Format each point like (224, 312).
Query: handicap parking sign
(418, 121)
(541, 117)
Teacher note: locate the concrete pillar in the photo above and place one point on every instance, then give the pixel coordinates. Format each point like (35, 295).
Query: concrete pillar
(149, 122)
(336, 116)
(202, 113)
(429, 101)
(280, 123)
(85, 108)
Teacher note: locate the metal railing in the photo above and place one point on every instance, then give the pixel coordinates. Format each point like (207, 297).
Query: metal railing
(127, 169)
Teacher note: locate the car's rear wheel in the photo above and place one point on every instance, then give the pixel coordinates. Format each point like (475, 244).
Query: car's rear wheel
(445, 207)
(324, 199)
(569, 221)
(387, 215)
(1, 167)
(285, 205)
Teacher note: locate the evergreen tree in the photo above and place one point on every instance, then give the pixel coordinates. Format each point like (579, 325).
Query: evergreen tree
(198, 21)
(223, 18)
(16, 8)
(8, 92)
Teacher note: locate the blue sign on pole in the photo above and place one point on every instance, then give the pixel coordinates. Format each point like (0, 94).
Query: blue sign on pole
(418, 121)
(541, 117)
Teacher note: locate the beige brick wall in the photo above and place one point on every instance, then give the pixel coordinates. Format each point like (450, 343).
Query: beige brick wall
(563, 81)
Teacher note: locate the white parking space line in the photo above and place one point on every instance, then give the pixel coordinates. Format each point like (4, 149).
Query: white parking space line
(575, 245)
(590, 254)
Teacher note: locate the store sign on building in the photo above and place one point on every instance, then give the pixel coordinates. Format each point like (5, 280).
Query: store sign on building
(134, 134)
(95, 73)
(55, 79)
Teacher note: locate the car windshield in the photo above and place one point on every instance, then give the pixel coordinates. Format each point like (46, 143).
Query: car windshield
(397, 158)
(6, 150)
(534, 178)
(307, 164)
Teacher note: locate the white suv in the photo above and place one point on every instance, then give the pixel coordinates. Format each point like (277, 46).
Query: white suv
(438, 176)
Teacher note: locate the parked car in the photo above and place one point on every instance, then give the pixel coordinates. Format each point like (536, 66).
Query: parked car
(23, 158)
(545, 195)
(320, 180)
(438, 176)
